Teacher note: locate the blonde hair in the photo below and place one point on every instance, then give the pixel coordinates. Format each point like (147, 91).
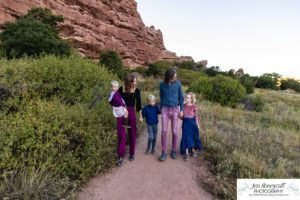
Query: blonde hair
(115, 83)
(193, 97)
(150, 97)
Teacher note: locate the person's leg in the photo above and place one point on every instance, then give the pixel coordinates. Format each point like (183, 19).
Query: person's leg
(187, 151)
(164, 131)
(132, 130)
(174, 125)
(121, 137)
(150, 137)
(155, 129)
(186, 156)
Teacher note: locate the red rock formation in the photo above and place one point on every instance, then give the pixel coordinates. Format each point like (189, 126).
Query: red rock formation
(203, 63)
(94, 25)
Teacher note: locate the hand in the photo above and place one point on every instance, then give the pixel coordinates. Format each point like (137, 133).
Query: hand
(181, 114)
(141, 119)
(126, 113)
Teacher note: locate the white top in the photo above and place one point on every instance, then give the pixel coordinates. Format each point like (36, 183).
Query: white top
(117, 111)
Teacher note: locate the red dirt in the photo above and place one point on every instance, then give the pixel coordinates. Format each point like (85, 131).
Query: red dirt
(148, 178)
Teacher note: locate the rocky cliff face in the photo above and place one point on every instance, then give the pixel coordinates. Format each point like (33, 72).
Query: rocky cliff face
(94, 25)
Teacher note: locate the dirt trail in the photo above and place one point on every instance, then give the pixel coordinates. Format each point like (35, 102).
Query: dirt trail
(148, 178)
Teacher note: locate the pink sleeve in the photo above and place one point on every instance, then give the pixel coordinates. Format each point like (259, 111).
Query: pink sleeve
(196, 114)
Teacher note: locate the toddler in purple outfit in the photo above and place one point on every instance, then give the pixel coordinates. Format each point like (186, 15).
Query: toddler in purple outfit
(115, 99)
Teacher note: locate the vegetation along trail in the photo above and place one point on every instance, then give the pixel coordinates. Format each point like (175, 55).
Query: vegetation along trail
(148, 178)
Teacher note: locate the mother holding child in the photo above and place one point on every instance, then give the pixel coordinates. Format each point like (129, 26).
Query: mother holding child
(123, 101)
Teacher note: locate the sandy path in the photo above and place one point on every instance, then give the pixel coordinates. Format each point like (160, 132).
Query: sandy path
(148, 178)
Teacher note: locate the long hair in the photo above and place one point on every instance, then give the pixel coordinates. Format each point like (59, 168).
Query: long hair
(169, 74)
(129, 82)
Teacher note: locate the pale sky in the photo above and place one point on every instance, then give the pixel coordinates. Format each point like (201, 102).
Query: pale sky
(260, 36)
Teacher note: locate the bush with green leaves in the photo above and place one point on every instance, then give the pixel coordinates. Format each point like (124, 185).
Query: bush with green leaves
(113, 62)
(33, 35)
(141, 70)
(186, 76)
(290, 84)
(158, 68)
(268, 81)
(61, 121)
(45, 16)
(213, 71)
(248, 82)
(72, 79)
(187, 64)
(253, 102)
(220, 89)
(149, 84)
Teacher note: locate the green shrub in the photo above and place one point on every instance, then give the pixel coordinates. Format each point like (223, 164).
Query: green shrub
(71, 79)
(200, 67)
(248, 82)
(149, 84)
(220, 89)
(123, 73)
(153, 70)
(213, 71)
(158, 68)
(61, 121)
(113, 62)
(187, 65)
(45, 16)
(186, 76)
(141, 70)
(31, 36)
(73, 140)
(290, 84)
(268, 80)
(253, 102)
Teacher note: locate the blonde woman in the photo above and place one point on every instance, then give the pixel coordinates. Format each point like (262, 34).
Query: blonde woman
(190, 127)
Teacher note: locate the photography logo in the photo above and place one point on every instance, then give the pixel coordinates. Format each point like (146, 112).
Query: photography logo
(265, 189)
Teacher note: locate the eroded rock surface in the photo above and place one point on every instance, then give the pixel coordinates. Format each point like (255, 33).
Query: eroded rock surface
(94, 25)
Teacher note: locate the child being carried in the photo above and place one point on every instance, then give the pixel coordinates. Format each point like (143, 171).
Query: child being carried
(118, 104)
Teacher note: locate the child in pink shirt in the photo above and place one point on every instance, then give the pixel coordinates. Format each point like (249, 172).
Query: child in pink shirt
(190, 127)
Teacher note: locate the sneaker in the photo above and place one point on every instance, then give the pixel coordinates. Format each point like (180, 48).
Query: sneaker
(153, 151)
(193, 153)
(119, 163)
(147, 150)
(131, 158)
(163, 156)
(186, 157)
(125, 123)
(173, 154)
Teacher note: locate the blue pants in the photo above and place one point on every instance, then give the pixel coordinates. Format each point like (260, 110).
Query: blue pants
(152, 135)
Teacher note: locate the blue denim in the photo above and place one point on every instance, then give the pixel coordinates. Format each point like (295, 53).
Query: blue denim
(152, 135)
(171, 95)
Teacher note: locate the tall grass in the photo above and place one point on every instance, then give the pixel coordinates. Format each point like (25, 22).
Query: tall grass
(246, 144)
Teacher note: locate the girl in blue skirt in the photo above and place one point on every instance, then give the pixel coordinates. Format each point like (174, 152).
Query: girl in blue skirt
(190, 127)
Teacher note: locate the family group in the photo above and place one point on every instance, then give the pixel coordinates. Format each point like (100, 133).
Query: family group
(126, 100)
